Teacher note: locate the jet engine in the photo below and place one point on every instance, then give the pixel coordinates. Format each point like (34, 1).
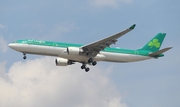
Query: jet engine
(63, 62)
(74, 51)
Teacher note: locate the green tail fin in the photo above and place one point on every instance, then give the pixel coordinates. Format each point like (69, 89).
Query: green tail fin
(154, 44)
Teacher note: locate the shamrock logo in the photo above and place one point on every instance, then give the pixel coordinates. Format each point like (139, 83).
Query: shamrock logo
(154, 43)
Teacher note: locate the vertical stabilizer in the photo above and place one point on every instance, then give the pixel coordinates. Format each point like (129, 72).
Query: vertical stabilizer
(154, 44)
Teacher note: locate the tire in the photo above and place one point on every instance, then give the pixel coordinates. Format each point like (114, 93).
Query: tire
(87, 69)
(24, 57)
(83, 67)
(94, 63)
(90, 60)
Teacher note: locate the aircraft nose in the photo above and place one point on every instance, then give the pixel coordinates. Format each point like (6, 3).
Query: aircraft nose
(15, 46)
(11, 45)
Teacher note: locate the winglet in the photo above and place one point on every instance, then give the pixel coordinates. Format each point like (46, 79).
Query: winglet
(132, 27)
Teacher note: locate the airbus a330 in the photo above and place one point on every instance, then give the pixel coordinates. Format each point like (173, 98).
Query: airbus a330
(92, 53)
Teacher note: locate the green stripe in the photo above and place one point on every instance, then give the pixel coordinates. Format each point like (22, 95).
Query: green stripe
(65, 45)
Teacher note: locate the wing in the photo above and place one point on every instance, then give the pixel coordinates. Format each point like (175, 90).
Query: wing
(94, 48)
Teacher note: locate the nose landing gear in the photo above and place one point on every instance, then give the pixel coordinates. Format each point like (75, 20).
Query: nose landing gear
(24, 57)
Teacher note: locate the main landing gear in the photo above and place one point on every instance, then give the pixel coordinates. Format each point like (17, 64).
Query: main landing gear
(84, 67)
(24, 57)
(90, 61)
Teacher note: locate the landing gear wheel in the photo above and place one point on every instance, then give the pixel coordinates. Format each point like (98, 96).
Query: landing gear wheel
(83, 67)
(24, 57)
(87, 69)
(90, 60)
(94, 63)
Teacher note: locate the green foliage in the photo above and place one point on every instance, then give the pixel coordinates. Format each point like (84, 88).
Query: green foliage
(154, 43)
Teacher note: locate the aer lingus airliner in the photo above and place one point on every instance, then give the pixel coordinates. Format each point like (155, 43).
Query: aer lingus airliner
(100, 50)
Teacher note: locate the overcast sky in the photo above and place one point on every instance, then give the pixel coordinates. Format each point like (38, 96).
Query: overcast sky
(38, 82)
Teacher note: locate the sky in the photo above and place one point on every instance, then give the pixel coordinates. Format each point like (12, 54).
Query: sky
(37, 81)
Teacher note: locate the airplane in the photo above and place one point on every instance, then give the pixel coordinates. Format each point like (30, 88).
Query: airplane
(92, 53)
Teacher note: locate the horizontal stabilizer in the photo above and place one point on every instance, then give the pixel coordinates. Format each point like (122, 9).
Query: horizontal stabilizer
(154, 54)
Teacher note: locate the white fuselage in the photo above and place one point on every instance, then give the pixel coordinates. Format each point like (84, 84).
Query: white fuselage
(62, 52)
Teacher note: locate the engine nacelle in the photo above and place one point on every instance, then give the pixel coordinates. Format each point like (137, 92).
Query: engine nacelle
(74, 51)
(62, 62)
